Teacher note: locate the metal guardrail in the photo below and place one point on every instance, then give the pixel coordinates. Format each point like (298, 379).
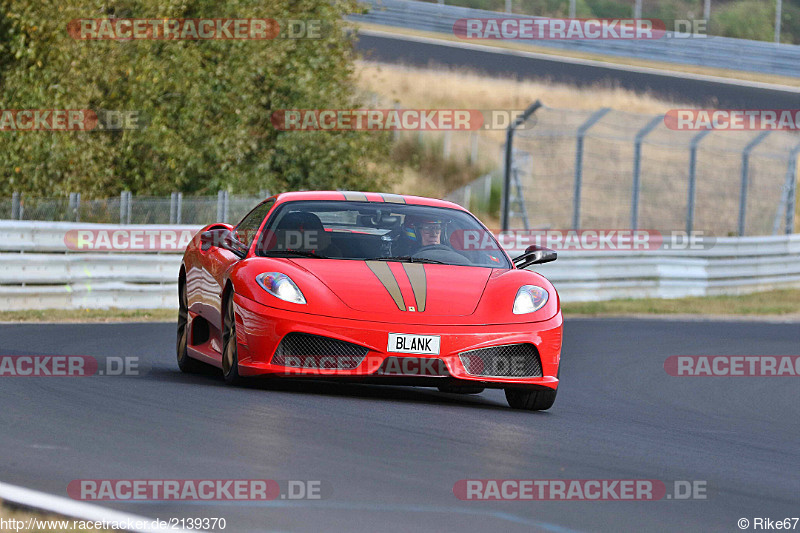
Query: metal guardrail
(38, 274)
(712, 51)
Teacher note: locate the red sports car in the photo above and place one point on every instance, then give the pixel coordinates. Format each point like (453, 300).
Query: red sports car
(373, 287)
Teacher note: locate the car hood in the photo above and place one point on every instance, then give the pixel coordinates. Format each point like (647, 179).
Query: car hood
(390, 287)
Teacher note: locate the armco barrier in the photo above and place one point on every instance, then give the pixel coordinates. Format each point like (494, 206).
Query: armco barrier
(37, 271)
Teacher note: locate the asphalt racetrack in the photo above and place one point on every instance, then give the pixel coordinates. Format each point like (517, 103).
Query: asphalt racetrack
(681, 88)
(388, 457)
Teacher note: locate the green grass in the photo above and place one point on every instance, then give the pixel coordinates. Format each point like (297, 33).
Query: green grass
(771, 303)
(779, 302)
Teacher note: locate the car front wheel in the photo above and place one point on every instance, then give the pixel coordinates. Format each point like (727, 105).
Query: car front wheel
(230, 358)
(531, 400)
(185, 363)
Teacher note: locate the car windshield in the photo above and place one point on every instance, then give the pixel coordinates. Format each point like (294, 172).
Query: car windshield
(379, 232)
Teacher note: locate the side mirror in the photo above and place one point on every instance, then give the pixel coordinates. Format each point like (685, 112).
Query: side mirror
(534, 255)
(222, 237)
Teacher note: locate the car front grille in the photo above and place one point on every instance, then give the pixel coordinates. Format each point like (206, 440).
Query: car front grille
(302, 350)
(508, 361)
(413, 366)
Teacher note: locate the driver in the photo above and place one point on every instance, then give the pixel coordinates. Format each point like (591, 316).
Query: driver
(419, 232)
(430, 233)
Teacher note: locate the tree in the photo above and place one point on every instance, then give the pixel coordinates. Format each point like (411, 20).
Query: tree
(205, 104)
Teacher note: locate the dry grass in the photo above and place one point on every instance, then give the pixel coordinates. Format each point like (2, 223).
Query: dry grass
(8, 512)
(90, 315)
(779, 303)
(462, 89)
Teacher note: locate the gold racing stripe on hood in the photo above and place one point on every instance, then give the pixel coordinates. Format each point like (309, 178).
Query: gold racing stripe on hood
(384, 274)
(351, 196)
(393, 198)
(416, 275)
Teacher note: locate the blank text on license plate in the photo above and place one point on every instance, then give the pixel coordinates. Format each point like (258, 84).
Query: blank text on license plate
(407, 343)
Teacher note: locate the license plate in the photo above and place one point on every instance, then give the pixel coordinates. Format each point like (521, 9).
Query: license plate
(421, 344)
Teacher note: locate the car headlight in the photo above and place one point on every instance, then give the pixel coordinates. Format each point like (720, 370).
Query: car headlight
(529, 298)
(280, 286)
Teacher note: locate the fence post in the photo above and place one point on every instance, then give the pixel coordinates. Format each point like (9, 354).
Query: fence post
(509, 161)
(745, 177)
(637, 167)
(71, 206)
(693, 178)
(75, 206)
(15, 210)
(792, 193)
(122, 211)
(576, 198)
(129, 197)
(473, 145)
(173, 207)
(179, 208)
(222, 206)
(396, 131)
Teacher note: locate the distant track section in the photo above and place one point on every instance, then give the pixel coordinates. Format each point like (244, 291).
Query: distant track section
(680, 87)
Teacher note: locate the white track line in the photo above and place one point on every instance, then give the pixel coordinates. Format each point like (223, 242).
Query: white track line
(578, 61)
(71, 508)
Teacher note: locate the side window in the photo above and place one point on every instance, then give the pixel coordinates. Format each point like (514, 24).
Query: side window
(245, 231)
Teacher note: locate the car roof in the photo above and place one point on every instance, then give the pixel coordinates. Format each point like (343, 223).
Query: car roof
(354, 196)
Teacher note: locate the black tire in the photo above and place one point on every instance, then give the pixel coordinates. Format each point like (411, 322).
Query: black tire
(474, 389)
(531, 400)
(230, 357)
(185, 363)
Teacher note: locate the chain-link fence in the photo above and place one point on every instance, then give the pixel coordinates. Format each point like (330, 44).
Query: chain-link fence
(572, 169)
(614, 169)
(130, 209)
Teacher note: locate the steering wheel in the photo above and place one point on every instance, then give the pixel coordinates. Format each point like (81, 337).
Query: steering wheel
(431, 248)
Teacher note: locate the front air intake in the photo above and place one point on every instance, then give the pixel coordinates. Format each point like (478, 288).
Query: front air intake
(508, 361)
(302, 350)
